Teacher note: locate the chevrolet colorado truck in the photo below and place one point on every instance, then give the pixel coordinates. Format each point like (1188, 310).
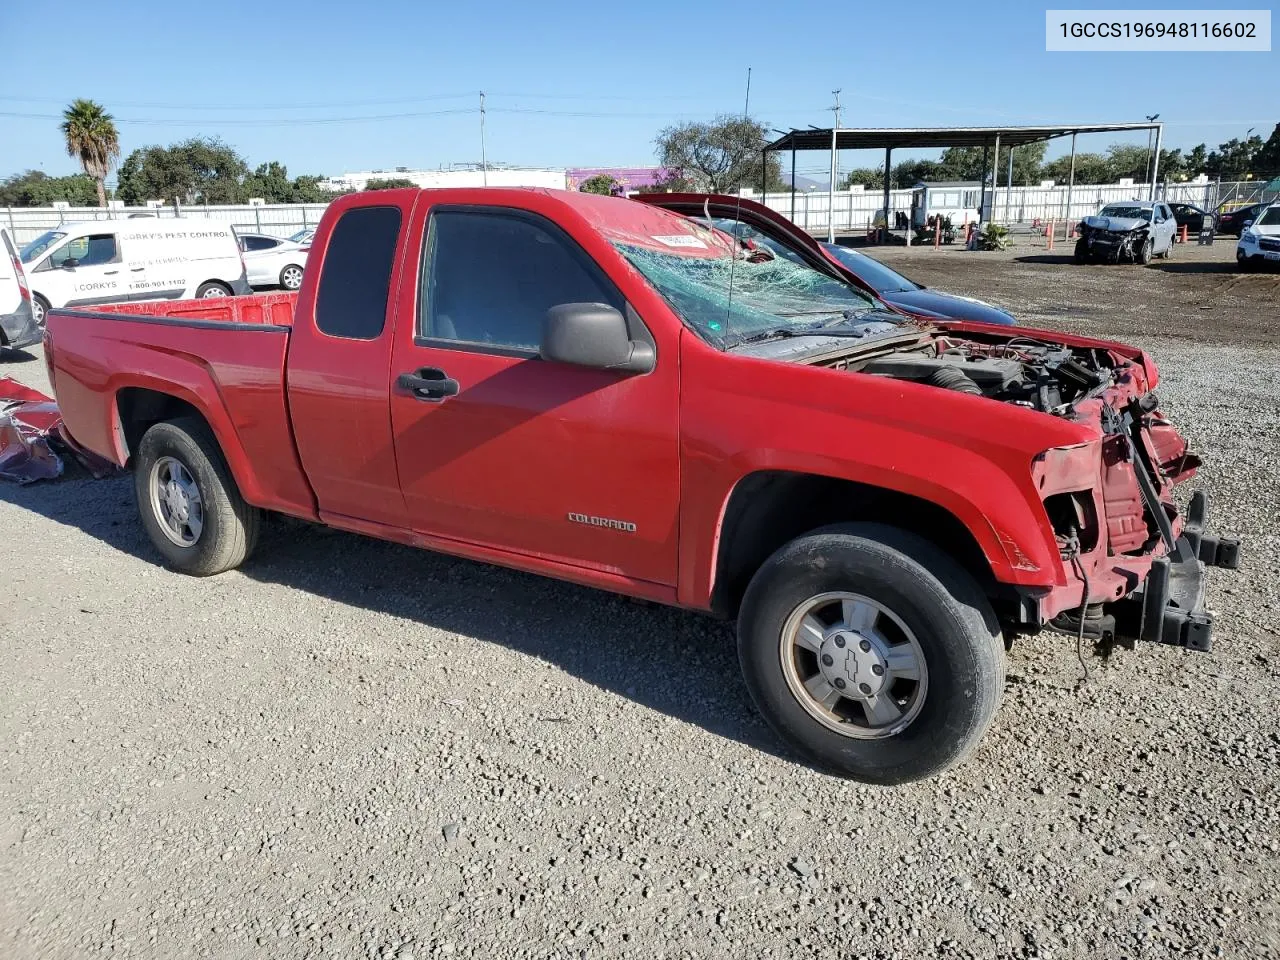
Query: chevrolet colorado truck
(615, 394)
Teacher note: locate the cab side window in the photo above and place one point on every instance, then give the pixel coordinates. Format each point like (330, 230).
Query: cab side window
(91, 251)
(491, 277)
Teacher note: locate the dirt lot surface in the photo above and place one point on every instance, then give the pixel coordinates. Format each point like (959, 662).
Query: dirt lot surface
(353, 749)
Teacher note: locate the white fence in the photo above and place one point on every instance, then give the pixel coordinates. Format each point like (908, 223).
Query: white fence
(855, 210)
(277, 220)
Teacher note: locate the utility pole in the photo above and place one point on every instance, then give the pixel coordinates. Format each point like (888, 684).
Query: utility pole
(484, 163)
(831, 187)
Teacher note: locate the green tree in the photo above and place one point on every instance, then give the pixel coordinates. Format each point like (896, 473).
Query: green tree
(1266, 160)
(602, 184)
(910, 172)
(1234, 159)
(91, 138)
(270, 181)
(1129, 160)
(307, 189)
(966, 163)
(1196, 161)
(389, 183)
(718, 157)
(870, 177)
(37, 189)
(199, 170)
(1090, 168)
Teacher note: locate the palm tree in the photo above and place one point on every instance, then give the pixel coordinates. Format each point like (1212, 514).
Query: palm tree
(92, 139)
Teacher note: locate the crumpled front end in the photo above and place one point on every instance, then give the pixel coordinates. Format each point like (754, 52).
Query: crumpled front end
(1133, 561)
(1107, 240)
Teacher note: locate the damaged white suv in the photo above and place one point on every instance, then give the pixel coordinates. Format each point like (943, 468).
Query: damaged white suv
(1260, 241)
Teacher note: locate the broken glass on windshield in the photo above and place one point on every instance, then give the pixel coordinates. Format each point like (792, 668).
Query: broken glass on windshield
(774, 295)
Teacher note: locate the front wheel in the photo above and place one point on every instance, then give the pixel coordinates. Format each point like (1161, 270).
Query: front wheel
(871, 652)
(1146, 252)
(188, 500)
(1082, 250)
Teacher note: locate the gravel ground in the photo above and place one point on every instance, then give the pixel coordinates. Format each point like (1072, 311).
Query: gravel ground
(354, 749)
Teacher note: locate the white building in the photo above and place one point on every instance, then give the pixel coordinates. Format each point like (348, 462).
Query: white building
(458, 176)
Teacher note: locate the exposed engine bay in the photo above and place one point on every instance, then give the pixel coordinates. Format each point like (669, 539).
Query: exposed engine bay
(1024, 371)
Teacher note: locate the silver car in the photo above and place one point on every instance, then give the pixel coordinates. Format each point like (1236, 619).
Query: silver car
(1131, 230)
(272, 262)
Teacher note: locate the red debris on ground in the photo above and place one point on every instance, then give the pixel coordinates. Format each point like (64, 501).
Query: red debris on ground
(30, 434)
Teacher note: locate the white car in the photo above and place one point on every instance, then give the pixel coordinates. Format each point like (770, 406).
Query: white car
(1260, 241)
(116, 261)
(273, 262)
(18, 327)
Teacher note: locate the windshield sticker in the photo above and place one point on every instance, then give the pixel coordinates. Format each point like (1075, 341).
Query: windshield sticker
(681, 240)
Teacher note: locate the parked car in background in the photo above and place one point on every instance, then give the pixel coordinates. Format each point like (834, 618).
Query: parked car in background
(114, 261)
(1260, 241)
(273, 262)
(1232, 221)
(18, 327)
(915, 298)
(1190, 216)
(887, 285)
(1132, 231)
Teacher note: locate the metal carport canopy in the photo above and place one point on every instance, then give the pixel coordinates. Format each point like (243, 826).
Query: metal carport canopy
(898, 138)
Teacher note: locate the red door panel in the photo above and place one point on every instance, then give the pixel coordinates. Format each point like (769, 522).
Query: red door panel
(544, 459)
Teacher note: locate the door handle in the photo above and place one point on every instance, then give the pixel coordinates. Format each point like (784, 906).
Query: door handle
(428, 383)
(109, 273)
(136, 269)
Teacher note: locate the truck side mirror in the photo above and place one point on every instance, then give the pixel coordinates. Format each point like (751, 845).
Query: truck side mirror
(1248, 224)
(70, 263)
(593, 335)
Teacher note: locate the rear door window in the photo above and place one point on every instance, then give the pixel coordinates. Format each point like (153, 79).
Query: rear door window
(260, 243)
(355, 278)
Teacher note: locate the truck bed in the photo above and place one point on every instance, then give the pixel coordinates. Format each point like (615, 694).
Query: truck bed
(223, 357)
(275, 309)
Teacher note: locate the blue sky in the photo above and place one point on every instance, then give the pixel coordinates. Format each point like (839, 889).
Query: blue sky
(575, 84)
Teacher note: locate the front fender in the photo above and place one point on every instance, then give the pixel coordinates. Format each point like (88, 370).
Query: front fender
(969, 456)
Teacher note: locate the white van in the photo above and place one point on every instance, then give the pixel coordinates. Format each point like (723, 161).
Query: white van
(17, 324)
(144, 258)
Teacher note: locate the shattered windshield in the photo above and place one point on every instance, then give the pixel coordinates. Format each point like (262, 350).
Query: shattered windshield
(771, 297)
(1127, 212)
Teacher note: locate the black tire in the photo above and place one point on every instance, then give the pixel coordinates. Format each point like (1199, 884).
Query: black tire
(1082, 251)
(40, 308)
(291, 277)
(956, 630)
(213, 288)
(229, 528)
(1145, 254)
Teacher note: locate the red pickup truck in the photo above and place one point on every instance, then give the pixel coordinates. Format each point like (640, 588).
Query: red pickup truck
(624, 396)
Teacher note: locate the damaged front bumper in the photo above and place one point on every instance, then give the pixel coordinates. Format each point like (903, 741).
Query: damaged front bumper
(1168, 607)
(1171, 601)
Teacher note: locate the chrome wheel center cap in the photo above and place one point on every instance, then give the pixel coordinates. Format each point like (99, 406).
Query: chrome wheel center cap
(853, 664)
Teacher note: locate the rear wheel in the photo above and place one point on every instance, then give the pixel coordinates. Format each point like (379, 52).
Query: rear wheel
(291, 277)
(871, 652)
(213, 289)
(188, 501)
(39, 309)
